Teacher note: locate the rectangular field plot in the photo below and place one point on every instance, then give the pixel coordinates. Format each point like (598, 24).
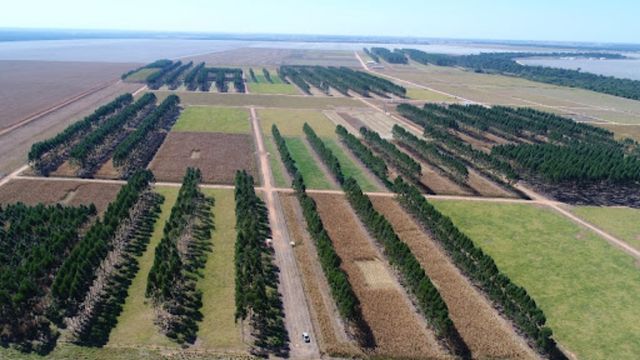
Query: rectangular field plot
(399, 331)
(315, 177)
(277, 169)
(262, 100)
(217, 155)
(290, 122)
(586, 287)
(213, 119)
(269, 88)
(49, 192)
(619, 221)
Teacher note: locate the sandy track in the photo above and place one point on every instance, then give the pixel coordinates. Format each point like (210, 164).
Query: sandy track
(297, 315)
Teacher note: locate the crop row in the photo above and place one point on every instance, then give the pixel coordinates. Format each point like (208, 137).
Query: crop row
(34, 242)
(347, 303)
(400, 256)
(257, 296)
(182, 251)
(512, 299)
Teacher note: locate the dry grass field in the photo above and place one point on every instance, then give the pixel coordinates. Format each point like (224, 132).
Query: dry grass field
(398, 330)
(28, 87)
(290, 122)
(217, 155)
(73, 193)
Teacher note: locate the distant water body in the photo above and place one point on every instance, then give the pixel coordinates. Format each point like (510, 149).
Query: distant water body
(627, 68)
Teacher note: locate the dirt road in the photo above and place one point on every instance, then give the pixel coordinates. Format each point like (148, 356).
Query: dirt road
(297, 315)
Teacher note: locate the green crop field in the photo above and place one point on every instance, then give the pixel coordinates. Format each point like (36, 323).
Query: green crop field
(213, 119)
(350, 167)
(620, 222)
(141, 75)
(290, 122)
(269, 88)
(313, 175)
(587, 288)
(277, 169)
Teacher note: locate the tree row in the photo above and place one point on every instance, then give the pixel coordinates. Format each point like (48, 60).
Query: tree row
(400, 160)
(393, 57)
(374, 163)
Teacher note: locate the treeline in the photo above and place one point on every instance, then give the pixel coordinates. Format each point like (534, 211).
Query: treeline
(181, 253)
(341, 79)
(394, 57)
(95, 140)
(576, 162)
(34, 241)
(45, 156)
(400, 256)
(99, 311)
(221, 78)
(78, 270)
(158, 78)
(267, 75)
(510, 298)
(191, 78)
(377, 165)
(257, 296)
(505, 63)
(138, 148)
(373, 56)
(173, 78)
(158, 64)
(486, 163)
(341, 290)
(324, 152)
(432, 154)
(400, 160)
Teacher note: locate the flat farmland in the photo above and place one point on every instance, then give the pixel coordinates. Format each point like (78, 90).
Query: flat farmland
(374, 120)
(311, 169)
(269, 88)
(262, 100)
(619, 221)
(586, 287)
(352, 167)
(487, 334)
(213, 119)
(49, 192)
(141, 75)
(28, 87)
(218, 156)
(290, 122)
(269, 57)
(278, 171)
(398, 330)
(428, 95)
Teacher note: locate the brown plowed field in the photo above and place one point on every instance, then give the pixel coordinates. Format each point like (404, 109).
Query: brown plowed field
(440, 184)
(72, 193)
(398, 330)
(484, 331)
(487, 187)
(330, 331)
(218, 155)
(27, 87)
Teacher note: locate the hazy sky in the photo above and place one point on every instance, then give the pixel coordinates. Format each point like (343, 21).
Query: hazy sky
(585, 20)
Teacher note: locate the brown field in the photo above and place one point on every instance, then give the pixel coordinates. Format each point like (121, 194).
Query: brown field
(330, 330)
(15, 145)
(218, 155)
(487, 187)
(263, 100)
(440, 184)
(486, 333)
(398, 329)
(29, 87)
(623, 131)
(72, 193)
(270, 58)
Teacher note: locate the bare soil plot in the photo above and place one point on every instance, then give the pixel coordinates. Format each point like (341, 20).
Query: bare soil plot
(262, 100)
(49, 192)
(220, 155)
(372, 119)
(486, 333)
(15, 145)
(28, 87)
(330, 331)
(398, 330)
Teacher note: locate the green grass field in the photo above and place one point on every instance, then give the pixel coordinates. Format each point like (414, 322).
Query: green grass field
(351, 168)
(141, 75)
(620, 222)
(587, 288)
(277, 169)
(269, 88)
(213, 119)
(313, 175)
(290, 122)
(135, 323)
(218, 329)
(428, 95)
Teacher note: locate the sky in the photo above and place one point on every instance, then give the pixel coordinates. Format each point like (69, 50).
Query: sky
(550, 20)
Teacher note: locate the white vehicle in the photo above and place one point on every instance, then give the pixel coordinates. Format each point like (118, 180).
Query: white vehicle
(306, 338)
